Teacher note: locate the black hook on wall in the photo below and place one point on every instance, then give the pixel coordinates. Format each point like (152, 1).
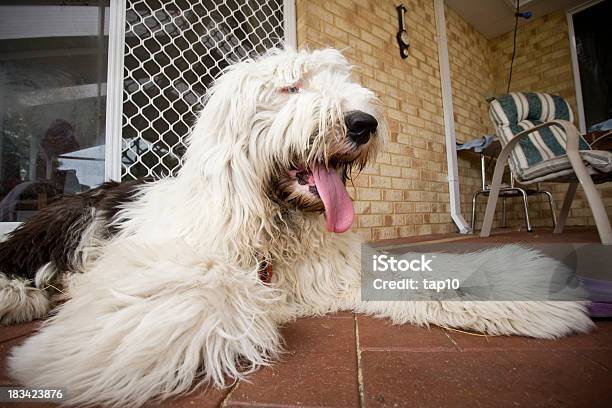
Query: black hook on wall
(402, 34)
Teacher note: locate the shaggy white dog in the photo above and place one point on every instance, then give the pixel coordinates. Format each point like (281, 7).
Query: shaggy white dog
(174, 295)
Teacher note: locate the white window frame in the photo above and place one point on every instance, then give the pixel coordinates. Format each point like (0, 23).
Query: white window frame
(114, 90)
(575, 66)
(290, 23)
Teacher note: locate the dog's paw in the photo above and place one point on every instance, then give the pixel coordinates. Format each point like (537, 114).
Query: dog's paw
(21, 302)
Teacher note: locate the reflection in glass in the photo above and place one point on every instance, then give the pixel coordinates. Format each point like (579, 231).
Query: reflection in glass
(52, 101)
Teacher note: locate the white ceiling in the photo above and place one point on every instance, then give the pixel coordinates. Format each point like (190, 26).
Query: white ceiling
(495, 17)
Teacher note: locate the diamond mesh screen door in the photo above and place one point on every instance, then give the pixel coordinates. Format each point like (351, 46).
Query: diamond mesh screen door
(173, 50)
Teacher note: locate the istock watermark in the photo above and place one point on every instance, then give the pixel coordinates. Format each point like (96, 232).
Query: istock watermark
(383, 263)
(487, 273)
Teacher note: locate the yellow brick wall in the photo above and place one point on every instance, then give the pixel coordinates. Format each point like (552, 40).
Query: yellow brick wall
(406, 192)
(542, 62)
(471, 77)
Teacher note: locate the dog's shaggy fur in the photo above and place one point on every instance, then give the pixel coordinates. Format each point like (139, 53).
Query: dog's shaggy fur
(161, 280)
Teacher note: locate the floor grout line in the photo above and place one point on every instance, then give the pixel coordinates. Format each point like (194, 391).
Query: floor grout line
(359, 368)
(451, 339)
(411, 350)
(597, 363)
(229, 394)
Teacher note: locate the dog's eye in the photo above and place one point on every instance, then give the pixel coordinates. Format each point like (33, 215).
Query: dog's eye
(292, 89)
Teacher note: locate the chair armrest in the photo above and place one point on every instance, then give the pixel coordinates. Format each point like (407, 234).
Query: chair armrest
(571, 134)
(600, 138)
(505, 152)
(569, 129)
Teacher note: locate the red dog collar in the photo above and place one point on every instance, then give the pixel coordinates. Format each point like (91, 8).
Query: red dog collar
(265, 272)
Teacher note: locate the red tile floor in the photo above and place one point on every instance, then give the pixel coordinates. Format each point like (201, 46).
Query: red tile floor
(346, 360)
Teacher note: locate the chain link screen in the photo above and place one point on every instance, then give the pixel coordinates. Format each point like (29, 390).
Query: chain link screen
(173, 50)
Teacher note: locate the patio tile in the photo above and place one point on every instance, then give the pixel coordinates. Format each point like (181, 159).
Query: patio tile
(28, 405)
(380, 334)
(601, 338)
(319, 368)
(320, 335)
(5, 348)
(512, 378)
(17, 330)
(203, 397)
(542, 235)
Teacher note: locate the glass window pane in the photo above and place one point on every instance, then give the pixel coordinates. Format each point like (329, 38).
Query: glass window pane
(52, 101)
(591, 28)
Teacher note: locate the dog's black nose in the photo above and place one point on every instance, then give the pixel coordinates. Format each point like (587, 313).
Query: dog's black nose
(360, 126)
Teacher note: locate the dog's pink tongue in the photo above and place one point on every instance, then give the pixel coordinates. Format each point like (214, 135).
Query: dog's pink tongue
(339, 211)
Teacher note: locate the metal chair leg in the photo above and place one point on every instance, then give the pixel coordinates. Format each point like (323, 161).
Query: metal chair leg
(474, 197)
(552, 208)
(474, 212)
(504, 225)
(526, 207)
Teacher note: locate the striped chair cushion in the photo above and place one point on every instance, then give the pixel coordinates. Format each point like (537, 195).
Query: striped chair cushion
(599, 162)
(515, 112)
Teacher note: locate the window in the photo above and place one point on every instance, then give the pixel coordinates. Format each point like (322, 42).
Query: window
(52, 101)
(592, 57)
